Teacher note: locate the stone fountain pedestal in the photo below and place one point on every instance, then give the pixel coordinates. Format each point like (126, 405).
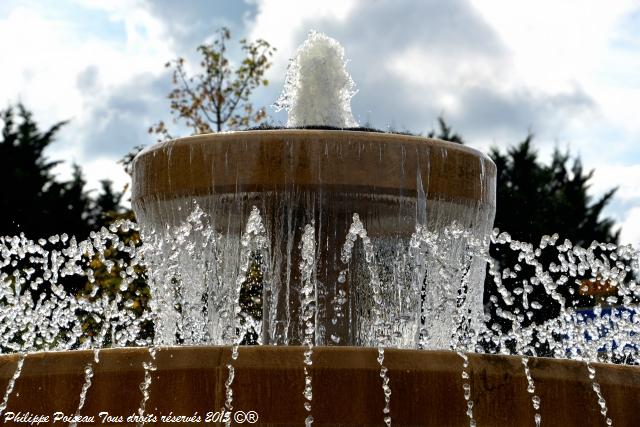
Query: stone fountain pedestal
(322, 178)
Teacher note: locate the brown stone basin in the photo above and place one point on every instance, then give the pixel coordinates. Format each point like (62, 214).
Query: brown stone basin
(426, 386)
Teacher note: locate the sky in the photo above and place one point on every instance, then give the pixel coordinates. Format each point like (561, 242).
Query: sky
(568, 71)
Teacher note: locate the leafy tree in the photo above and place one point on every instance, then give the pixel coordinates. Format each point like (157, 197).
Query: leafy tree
(217, 97)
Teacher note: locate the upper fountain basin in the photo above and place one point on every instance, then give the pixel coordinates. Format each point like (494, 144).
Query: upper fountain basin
(304, 198)
(335, 160)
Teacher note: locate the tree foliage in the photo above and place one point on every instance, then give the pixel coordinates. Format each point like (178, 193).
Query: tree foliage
(217, 97)
(107, 205)
(535, 199)
(445, 132)
(32, 199)
(108, 274)
(250, 300)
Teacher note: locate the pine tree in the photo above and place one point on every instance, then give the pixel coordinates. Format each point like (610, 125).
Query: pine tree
(33, 200)
(534, 199)
(106, 206)
(445, 132)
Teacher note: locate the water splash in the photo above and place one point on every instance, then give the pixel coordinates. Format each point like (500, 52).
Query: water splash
(39, 313)
(379, 327)
(531, 389)
(253, 243)
(386, 388)
(88, 375)
(12, 382)
(195, 273)
(145, 386)
(466, 387)
(231, 374)
(602, 403)
(318, 89)
(308, 294)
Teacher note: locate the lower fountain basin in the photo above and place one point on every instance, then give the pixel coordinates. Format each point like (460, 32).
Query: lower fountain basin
(427, 386)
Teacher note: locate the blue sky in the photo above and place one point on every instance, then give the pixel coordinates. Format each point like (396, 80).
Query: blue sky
(569, 71)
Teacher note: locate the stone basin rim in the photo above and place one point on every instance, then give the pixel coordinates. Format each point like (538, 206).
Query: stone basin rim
(340, 162)
(340, 133)
(427, 388)
(337, 350)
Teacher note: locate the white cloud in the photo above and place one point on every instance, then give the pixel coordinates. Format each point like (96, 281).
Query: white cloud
(626, 203)
(625, 177)
(39, 66)
(558, 46)
(110, 170)
(496, 69)
(631, 227)
(567, 70)
(46, 64)
(433, 68)
(554, 43)
(281, 22)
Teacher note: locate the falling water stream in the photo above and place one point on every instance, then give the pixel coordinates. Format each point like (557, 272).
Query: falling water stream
(308, 311)
(12, 382)
(596, 389)
(466, 387)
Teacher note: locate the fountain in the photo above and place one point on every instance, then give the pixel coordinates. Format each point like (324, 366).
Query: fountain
(355, 259)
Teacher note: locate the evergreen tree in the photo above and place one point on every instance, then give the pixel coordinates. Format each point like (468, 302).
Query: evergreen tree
(106, 206)
(32, 200)
(445, 132)
(534, 199)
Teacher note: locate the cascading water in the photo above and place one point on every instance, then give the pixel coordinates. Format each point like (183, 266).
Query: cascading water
(34, 319)
(316, 251)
